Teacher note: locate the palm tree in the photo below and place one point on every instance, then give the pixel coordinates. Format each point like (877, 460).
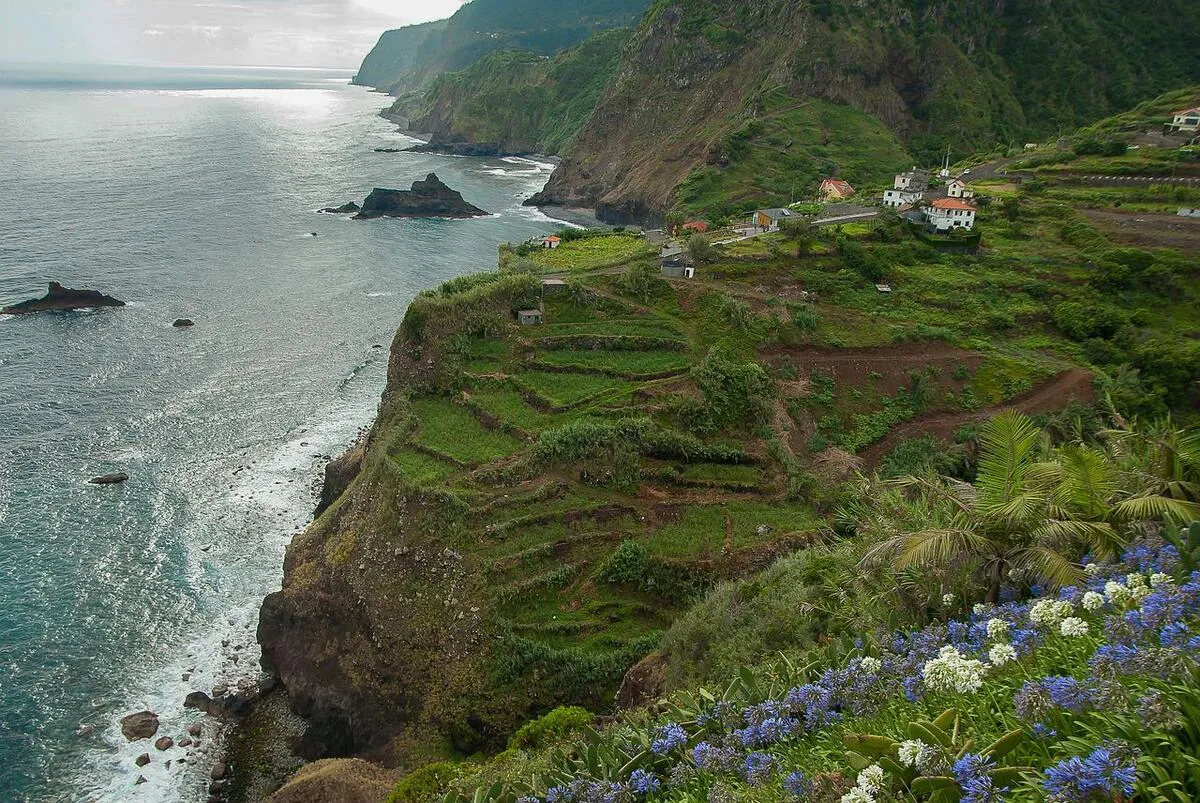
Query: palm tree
(1029, 509)
(1158, 456)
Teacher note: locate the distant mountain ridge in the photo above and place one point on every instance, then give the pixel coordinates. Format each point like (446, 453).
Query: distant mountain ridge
(405, 58)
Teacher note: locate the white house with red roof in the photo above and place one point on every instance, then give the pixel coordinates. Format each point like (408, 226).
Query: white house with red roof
(947, 214)
(1186, 119)
(834, 189)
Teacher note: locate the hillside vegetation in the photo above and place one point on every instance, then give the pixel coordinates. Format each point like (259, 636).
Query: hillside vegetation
(406, 58)
(518, 102)
(697, 97)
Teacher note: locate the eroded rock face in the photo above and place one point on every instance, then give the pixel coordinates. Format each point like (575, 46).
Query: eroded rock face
(60, 298)
(141, 725)
(339, 474)
(428, 198)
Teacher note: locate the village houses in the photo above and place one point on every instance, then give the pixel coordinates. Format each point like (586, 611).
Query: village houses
(947, 214)
(552, 241)
(908, 189)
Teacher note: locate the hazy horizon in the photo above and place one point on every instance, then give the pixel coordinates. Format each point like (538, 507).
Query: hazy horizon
(323, 34)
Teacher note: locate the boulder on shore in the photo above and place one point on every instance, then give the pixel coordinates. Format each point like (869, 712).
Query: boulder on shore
(428, 198)
(110, 479)
(61, 298)
(164, 743)
(141, 725)
(348, 208)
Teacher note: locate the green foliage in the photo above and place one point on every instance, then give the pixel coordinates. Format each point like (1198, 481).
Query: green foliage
(1079, 321)
(551, 728)
(424, 784)
(700, 248)
(735, 393)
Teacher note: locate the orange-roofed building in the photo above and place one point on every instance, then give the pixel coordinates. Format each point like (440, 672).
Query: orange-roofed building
(946, 214)
(834, 189)
(696, 226)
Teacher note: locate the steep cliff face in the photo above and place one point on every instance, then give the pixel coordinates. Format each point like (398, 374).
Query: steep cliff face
(517, 102)
(962, 76)
(404, 59)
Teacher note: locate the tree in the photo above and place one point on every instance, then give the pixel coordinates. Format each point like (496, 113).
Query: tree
(700, 249)
(1029, 510)
(800, 231)
(674, 221)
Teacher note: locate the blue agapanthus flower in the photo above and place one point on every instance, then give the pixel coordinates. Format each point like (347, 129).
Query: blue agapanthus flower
(643, 782)
(1104, 773)
(758, 768)
(670, 737)
(797, 784)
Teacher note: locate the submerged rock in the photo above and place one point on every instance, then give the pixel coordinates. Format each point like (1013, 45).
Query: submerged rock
(428, 198)
(142, 760)
(62, 299)
(348, 208)
(141, 725)
(110, 479)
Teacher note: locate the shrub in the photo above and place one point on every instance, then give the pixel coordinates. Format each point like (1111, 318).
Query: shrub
(551, 728)
(424, 784)
(734, 392)
(805, 318)
(1080, 321)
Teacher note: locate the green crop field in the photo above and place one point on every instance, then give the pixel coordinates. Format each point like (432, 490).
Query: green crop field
(452, 430)
(629, 363)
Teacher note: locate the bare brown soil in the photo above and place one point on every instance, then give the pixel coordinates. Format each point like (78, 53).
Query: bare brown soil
(892, 363)
(1056, 394)
(1147, 229)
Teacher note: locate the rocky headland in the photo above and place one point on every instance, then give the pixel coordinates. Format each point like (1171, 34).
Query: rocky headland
(63, 299)
(430, 198)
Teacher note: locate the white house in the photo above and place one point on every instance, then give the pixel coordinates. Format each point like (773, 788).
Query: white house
(909, 188)
(957, 188)
(947, 214)
(1186, 119)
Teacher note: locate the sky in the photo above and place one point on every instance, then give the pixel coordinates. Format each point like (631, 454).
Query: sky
(296, 33)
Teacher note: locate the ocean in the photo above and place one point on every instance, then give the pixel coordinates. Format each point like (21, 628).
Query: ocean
(186, 193)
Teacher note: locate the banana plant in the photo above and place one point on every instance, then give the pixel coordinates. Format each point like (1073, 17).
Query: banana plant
(946, 737)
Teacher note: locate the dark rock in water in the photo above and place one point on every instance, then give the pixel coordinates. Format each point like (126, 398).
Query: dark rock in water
(462, 147)
(110, 479)
(142, 760)
(181, 323)
(345, 209)
(218, 771)
(428, 198)
(164, 743)
(85, 730)
(195, 728)
(61, 298)
(141, 779)
(141, 725)
(390, 150)
(224, 706)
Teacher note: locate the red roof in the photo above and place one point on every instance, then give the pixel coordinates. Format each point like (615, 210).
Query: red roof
(838, 184)
(554, 238)
(953, 203)
(696, 225)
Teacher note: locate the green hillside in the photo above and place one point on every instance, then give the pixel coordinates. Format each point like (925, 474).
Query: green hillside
(406, 58)
(965, 77)
(518, 101)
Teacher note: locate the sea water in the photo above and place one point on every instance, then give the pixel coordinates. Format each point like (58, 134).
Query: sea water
(186, 193)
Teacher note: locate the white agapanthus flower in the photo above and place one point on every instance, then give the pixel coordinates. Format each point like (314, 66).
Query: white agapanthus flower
(1002, 654)
(913, 753)
(1093, 601)
(997, 628)
(979, 609)
(953, 671)
(1116, 592)
(858, 795)
(1139, 593)
(1135, 580)
(1159, 579)
(1091, 570)
(948, 599)
(871, 779)
(1049, 612)
(1073, 626)
(870, 665)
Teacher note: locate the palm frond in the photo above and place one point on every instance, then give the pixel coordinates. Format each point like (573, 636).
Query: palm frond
(1088, 480)
(1155, 508)
(940, 547)
(1007, 451)
(1050, 565)
(1100, 537)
